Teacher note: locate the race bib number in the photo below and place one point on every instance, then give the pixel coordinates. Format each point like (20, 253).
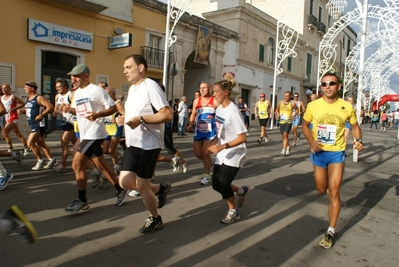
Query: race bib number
(82, 107)
(326, 134)
(204, 126)
(219, 121)
(283, 117)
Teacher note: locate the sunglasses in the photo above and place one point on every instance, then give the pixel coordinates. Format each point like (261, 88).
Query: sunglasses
(331, 83)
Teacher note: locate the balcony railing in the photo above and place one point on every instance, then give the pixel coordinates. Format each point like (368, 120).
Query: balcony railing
(312, 20)
(321, 27)
(154, 57)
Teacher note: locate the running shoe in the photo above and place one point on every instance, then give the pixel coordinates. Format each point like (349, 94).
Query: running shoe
(39, 165)
(184, 167)
(134, 193)
(230, 217)
(95, 180)
(327, 241)
(18, 156)
(298, 136)
(175, 164)
(282, 152)
(104, 183)
(5, 180)
(121, 197)
(266, 139)
(10, 149)
(151, 225)
(22, 225)
(26, 151)
(206, 180)
(60, 168)
(287, 151)
(52, 163)
(259, 141)
(242, 198)
(77, 206)
(117, 170)
(163, 197)
(294, 144)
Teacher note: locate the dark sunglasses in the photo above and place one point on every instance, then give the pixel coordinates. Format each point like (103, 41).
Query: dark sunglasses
(331, 83)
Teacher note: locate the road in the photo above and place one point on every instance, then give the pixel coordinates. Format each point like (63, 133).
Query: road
(281, 223)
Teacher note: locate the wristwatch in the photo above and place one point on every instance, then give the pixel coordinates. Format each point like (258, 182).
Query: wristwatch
(142, 121)
(359, 140)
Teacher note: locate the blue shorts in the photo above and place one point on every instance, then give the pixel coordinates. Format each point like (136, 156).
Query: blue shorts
(296, 121)
(348, 125)
(325, 158)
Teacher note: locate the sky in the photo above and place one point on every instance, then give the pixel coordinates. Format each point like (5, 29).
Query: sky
(374, 25)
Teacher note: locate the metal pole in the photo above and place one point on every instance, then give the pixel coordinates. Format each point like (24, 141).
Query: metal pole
(166, 56)
(361, 65)
(274, 77)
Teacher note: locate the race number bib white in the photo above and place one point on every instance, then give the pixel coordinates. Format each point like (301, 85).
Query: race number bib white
(82, 107)
(326, 134)
(283, 117)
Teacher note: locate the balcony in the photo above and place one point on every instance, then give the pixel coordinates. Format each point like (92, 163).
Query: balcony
(88, 5)
(154, 57)
(321, 28)
(312, 22)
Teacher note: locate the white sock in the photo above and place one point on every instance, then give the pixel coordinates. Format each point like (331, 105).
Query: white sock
(94, 171)
(332, 230)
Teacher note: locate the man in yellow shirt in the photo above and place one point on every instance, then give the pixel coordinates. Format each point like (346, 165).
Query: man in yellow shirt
(285, 113)
(262, 111)
(327, 144)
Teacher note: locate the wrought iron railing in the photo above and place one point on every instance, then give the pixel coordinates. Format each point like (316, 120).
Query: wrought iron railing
(155, 57)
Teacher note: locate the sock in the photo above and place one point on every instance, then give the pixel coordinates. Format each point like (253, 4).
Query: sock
(40, 160)
(118, 187)
(240, 190)
(332, 230)
(233, 210)
(82, 195)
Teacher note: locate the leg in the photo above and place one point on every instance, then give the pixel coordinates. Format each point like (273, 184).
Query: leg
(206, 156)
(32, 139)
(19, 135)
(67, 137)
(335, 173)
(6, 133)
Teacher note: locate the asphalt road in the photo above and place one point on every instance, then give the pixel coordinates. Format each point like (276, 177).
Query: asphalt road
(281, 223)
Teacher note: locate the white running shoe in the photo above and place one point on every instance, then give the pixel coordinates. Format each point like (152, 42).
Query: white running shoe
(59, 168)
(287, 151)
(184, 167)
(206, 180)
(18, 156)
(134, 193)
(52, 163)
(26, 151)
(175, 164)
(39, 165)
(282, 152)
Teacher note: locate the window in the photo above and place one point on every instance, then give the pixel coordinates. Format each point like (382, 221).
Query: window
(261, 53)
(309, 65)
(289, 65)
(329, 21)
(349, 47)
(343, 42)
(125, 88)
(270, 52)
(320, 13)
(311, 7)
(7, 75)
(100, 78)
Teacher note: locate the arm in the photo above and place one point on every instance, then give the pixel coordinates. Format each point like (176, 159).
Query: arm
(92, 116)
(303, 108)
(357, 134)
(121, 108)
(277, 112)
(314, 145)
(55, 108)
(163, 115)
(256, 109)
(42, 101)
(192, 117)
(241, 138)
(18, 101)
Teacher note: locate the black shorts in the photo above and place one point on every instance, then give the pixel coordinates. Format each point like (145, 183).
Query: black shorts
(285, 128)
(67, 127)
(168, 141)
(91, 148)
(263, 122)
(140, 161)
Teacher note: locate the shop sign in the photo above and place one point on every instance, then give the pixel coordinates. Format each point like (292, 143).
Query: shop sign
(119, 41)
(56, 34)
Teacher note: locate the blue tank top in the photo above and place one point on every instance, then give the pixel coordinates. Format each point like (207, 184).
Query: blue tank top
(33, 109)
(205, 127)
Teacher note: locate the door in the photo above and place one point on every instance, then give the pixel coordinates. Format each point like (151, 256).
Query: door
(54, 65)
(245, 94)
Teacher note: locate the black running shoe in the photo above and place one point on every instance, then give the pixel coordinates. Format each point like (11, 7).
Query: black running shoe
(151, 225)
(162, 197)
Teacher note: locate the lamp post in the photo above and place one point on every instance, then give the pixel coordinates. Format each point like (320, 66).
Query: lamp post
(176, 9)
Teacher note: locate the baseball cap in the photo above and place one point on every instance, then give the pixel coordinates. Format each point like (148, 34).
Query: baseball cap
(78, 69)
(32, 84)
(262, 94)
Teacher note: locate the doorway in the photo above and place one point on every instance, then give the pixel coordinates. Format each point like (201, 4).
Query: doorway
(245, 94)
(55, 65)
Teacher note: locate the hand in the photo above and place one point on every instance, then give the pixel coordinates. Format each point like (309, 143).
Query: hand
(120, 120)
(133, 122)
(91, 116)
(216, 148)
(358, 145)
(314, 146)
(39, 117)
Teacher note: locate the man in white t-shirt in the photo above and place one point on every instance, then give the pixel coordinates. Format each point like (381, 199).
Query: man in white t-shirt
(183, 115)
(146, 112)
(90, 104)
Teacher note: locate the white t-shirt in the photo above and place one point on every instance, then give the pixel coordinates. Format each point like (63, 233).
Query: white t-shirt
(91, 99)
(229, 124)
(396, 115)
(183, 110)
(140, 101)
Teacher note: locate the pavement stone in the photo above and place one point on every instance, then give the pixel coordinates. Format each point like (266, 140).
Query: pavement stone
(281, 223)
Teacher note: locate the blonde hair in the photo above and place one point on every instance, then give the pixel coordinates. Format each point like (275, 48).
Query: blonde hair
(228, 82)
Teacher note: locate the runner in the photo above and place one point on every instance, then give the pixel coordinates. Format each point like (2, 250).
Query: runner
(300, 108)
(262, 111)
(285, 113)
(327, 145)
(203, 115)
